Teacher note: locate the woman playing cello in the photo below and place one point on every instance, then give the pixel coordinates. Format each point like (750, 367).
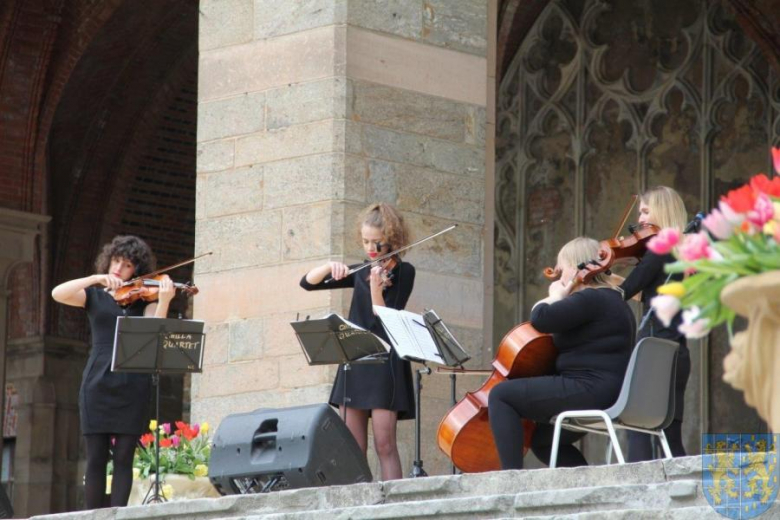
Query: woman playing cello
(593, 329)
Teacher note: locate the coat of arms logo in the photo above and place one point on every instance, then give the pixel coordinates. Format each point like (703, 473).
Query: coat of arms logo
(740, 473)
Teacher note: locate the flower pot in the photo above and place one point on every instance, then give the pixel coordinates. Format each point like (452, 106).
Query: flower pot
(175, 487)
(753, 365)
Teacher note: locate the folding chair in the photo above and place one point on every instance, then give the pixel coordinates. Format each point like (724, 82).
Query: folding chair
(645, 404)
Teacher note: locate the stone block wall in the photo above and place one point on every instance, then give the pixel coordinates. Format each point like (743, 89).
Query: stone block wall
(307, 112)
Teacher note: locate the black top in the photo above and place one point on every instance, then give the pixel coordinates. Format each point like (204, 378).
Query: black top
(647, 277)
(593, 330)
(377, 385)
(110, 402)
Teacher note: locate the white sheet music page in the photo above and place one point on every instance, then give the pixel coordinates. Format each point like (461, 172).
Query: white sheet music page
(408, 334)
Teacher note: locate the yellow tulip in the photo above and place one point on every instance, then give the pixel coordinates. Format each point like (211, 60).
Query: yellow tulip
(675, 289)
(204, 427)
(770, 227)
(201, 470)
(152, 425)
(136, 473)
(167, 491)
(109, 478)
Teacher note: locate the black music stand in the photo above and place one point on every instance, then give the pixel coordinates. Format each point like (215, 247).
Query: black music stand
(155, 346)
(335, 341)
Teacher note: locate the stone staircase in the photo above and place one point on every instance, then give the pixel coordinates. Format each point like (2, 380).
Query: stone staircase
(658, 489)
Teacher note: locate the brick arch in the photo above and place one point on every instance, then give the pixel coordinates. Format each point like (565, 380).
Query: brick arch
(105, 121)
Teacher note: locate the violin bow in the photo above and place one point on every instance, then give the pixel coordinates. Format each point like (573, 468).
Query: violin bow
(392, 253)
(167, 268)
(626, 214)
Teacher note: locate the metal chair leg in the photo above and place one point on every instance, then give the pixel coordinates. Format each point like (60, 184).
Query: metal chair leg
(665, 445)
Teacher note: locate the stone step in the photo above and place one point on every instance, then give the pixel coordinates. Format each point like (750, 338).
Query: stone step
(654, 488)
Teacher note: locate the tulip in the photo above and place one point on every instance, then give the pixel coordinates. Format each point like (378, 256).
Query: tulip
(731, 216)
(776, 159)
(167, 491)
(695, 247)
(152, 425)
(664, 241)
(167, 428)
(692, 326)
(204, 427)
(109, 480)
(717, 224)
(176, 440)
(665, 307)
(762, 212)
(675, 289)
(136, 473)
(201, 470)
(771, 228)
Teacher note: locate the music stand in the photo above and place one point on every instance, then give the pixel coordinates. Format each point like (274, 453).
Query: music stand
(154, 346)
(333, 340)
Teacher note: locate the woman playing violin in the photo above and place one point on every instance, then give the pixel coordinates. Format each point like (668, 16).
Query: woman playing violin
(380, 391)
(112, 405)
(593, 330)
(663, 207)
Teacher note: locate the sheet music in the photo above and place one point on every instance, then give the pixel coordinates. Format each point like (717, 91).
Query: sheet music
(409, 335)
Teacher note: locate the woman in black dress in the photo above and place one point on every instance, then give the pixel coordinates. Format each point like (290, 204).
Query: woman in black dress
(381, 391)
(593, 331)
(665, 208)
(112, 405)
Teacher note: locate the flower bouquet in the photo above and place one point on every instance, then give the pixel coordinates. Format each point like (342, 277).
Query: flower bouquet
(742, 239)
(184, 450)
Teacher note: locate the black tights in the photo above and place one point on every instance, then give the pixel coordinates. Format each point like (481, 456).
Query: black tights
(98, 446)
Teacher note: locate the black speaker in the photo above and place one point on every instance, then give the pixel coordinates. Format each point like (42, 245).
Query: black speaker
(287, 448)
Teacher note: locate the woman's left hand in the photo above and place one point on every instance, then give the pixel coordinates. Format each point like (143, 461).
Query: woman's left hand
(377, 279)
(559, 290)
(167, 290)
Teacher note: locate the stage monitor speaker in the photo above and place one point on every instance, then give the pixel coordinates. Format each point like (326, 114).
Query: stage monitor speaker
(287, 448)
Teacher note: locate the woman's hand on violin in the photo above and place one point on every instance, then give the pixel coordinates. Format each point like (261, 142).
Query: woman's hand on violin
(167, 290)
(110, 281)
(338, 270)
(377, 279)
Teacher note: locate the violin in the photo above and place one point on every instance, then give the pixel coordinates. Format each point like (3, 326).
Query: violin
(147, 289)
(388, 265)
(625, 249)
(390, 260)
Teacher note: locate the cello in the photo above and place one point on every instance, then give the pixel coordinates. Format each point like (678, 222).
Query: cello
(464, 433)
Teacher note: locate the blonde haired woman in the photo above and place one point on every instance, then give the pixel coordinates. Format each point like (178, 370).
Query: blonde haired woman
(663, 207)
(382, 392)
(593, 329)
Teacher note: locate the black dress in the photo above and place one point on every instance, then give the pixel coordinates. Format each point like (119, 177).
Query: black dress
(388, 385)
(647, 277)
(110, 402)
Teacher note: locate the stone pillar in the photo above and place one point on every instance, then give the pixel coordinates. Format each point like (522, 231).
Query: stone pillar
(308, 112)
(18, 233)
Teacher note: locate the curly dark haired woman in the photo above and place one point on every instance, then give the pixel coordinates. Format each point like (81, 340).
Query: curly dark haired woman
(112, 405)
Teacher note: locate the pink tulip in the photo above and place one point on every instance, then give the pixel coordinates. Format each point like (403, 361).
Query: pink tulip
(176, 441)
(695, 247)
(692, 326)
(664, 241)
(776, 158)
(665, 307)
(762, 212)
(717, 224)
(731, 216)
(195, 429)
(167, 428)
